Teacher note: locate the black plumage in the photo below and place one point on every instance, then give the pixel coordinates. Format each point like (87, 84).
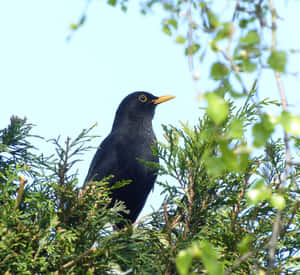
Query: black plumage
(130, 139)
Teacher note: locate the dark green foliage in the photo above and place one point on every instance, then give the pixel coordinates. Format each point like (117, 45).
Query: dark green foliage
(208, 219)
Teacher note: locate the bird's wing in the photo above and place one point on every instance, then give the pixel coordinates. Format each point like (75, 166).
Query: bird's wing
(104, 161)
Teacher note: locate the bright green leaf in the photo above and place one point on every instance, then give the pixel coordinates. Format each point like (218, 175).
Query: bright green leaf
(112, 2)
(217, 108)
(218, 71)
(243, 245)
(229, 157)
(278, 201)
(250, 38)
(236, 130)
(74, 26)
(224, 32)
(167, 30)
(277, 61)
(215, 166)
(248, 66)
(213, 19)
(290, 123)
(262, 131)
(173, 23)
(209, 258)
(180, 39)
(259, 192)
(183, 262)
(191, 50)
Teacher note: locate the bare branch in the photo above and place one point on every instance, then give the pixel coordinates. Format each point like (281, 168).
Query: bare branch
(273, 242)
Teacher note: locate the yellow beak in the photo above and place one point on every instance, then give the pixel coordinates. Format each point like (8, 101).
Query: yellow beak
(162, 99)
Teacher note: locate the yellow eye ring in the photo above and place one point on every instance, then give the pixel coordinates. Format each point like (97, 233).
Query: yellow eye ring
(143, 98)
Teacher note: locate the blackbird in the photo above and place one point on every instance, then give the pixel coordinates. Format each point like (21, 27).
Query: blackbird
(121, 152)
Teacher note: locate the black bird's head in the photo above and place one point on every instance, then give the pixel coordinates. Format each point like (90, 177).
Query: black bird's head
(137, 108)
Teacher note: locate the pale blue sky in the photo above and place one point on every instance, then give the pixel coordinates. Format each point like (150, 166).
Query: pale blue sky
(63, 87)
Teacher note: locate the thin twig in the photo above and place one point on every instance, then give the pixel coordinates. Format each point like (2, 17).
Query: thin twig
(273, 242)
(277, 223)
(237, 6)
(190, 44)
(295, 210)
(240, 260)
(284, 107)
(190, 197)
(78, 258)
(140, 219)
(169, 230)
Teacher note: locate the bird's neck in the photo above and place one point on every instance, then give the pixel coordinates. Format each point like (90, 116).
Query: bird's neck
(133, 126)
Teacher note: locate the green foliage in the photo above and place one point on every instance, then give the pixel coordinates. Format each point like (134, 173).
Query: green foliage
(220, 205)
(217, 108)
(231, 198)
(251, 38)
(192, 49)
(277, 61)
(47, 223)
(218, 71)
(262, 131)
(180, 39)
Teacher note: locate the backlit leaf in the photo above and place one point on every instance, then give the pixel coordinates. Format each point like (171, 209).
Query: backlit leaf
(183, 262)
(209, 258)
(191, 50)
(218, 71)
(277, 61)
(250, 38)
(290, 123)
(262, 131)
(217, 108)
(180, 39)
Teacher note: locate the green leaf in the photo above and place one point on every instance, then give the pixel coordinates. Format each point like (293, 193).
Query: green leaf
(112, 2)
(167, 30)
(209, 258)
(290, 123)
(183, 262)
(236, 130)
(191, 50)
(173, 23)
(243, 23)
(277, 61)
(278, 201)
(218, 71)
(75, 26)
(229, 157)
(215, 166)
(180, 39)
(261, 131)
(259, 192)
(250, 38)
(212, 19)
(243, 245)
(224, 32)
(248, 66)
(217, 108)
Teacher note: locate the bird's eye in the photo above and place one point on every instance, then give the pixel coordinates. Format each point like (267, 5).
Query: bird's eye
(142, 98)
